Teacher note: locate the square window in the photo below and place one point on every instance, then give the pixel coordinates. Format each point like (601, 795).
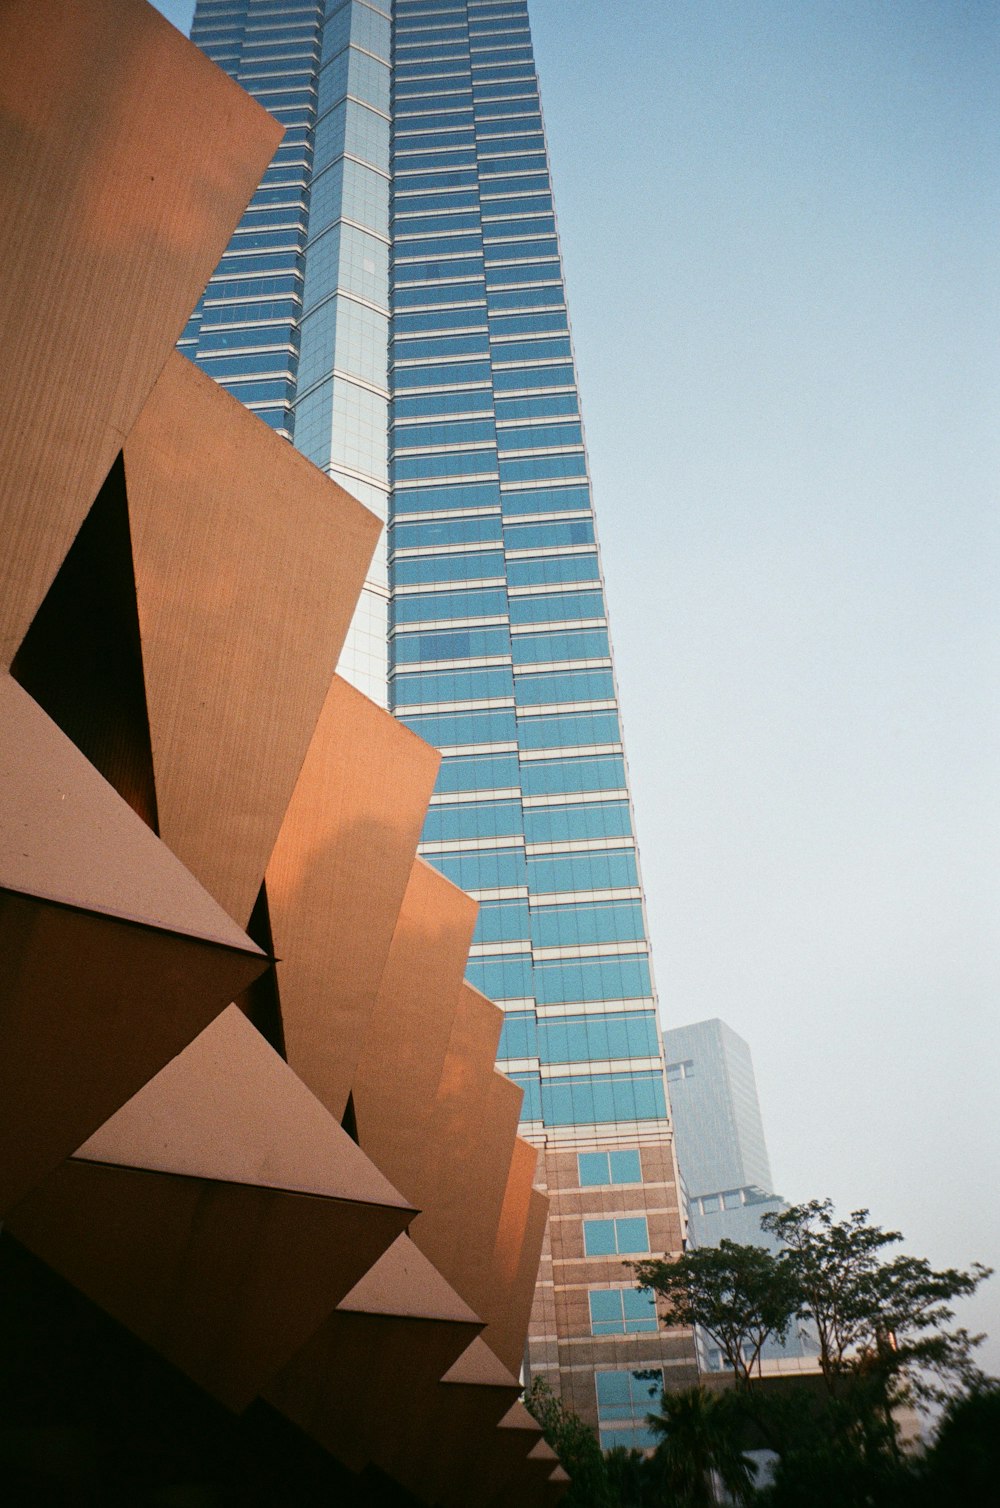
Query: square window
(593, 1168)
(625, 1167)
(599, 1238)
(632, 1235)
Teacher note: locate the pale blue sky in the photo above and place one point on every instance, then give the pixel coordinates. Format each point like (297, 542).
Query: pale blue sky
(779, 226)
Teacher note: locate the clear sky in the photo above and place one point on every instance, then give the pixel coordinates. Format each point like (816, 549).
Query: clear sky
(779, 225)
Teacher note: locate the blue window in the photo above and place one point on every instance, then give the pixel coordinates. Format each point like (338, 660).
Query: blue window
(559, 824)
(474, 820)
(534, 272)
(605, 870)
(438, 606)
(617, 1034)
(592, 979)
(486, 869)
(581, 926)
(622, 1311)
(518, 1036)
(576, 644)
(429, 405)
(458, 432)
(477, 772)
(501, 922)
(544, 468)
(445, 463)
(444, 347)
(428, 568)
(445, 729)
(439, 498)
(511, 352)
(575, 531)
(609, 1238)
(599, 1168)
(557, 607)
(448, 293)
(452, 686)
(552, 570)
(539, 436)
(564, 686)
(506, 978)
(439, 319)
(626, 1395)
(539, 405)
(456, 531)
(455, 644)
(452, 375)
(515, 380)
(566, 729)
(553, 776)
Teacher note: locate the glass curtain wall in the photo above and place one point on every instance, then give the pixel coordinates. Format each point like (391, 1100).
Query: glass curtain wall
(294, 322)
(499, 650)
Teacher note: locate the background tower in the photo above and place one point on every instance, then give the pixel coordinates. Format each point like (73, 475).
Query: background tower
(498, 645)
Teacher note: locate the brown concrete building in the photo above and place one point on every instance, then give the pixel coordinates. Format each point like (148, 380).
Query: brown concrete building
(270, 1235)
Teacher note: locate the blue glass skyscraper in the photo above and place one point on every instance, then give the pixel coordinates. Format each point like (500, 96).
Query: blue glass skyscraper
(428, 315)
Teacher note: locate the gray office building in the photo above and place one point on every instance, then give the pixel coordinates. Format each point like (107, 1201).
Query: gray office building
(721, 1150)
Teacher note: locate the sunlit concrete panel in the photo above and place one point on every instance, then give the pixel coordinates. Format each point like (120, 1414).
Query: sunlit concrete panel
(336, 882)
(114, 956)
(471, 1131)
(520, 1235)
(248, 562)
(393, 1336)
(126, 160)
(221, 1215)
(407, 1040)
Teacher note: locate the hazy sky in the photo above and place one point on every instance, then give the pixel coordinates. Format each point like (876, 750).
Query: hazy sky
(779, 225)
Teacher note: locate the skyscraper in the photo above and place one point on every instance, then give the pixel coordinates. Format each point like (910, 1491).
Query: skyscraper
(415, 139)
(722, 1151)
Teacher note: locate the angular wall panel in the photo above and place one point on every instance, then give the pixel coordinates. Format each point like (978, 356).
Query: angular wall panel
(126, 160)
(407, 1040)
(248, 563)
(393, 1336)
(336, 882)
(114, 957)
(462, 1180)
(221, 1214)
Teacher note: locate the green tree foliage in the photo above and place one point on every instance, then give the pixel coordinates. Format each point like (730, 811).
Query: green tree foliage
(699, 1446)
(575, 1444)
(740, 1295)
(963, 1464)
(879, 1318)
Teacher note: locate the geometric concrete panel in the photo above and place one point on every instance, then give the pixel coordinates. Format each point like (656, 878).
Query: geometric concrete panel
(221, 1214)
(91, 1007)
(505, 1458)
(113, 955)
(508, 1329)
(67, 836)
(407, 1040)
(470, 1400)
(469, 1142)
(229, 1108)
(336, 881)
(248, 563)
(393, 1336)
(225, 1280)
(126, 160)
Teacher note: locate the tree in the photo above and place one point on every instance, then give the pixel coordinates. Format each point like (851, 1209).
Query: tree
(575, 1444)
(740, 1295)
(963, 1464)
(876, 1318)
(699, 1442)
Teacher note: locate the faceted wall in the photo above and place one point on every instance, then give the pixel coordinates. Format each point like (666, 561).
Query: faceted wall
(255, 1156)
